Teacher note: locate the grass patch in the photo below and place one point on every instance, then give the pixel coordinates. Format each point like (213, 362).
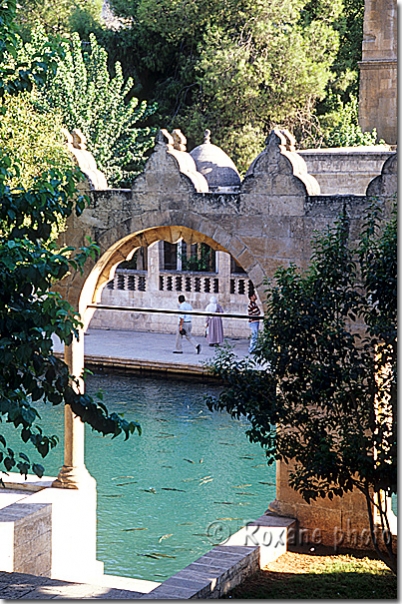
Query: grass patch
(301, 576)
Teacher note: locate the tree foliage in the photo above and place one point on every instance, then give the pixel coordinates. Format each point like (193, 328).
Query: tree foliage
(242, 68)
(337, 127)
(30, 311)
(32, 139)
(59, 16)
(88, 98)
(232, 66)
(327, 398)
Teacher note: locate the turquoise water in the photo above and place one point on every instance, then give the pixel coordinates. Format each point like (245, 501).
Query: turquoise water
(165, 497)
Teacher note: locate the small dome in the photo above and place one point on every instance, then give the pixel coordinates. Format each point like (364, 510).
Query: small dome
(215, 165)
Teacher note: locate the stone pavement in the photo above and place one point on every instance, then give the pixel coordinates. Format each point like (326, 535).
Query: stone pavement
(19, 586)
(148, 351)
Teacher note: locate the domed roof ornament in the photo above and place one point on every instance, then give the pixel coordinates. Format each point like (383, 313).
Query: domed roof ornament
(207, 137)
(216, 166)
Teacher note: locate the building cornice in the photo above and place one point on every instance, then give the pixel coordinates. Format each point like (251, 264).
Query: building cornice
(378, 64)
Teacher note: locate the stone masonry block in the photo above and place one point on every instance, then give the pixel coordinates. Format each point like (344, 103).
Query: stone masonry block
(286, 205)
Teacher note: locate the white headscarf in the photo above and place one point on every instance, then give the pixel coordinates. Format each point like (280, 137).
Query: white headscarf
(213, 305)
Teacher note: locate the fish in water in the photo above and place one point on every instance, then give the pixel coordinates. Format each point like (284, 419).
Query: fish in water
(241, 486)
(172, 489)
(206, 481)
(185, 523)
(228, 444)
(123, 484)
(120, 477)
(166, 466)
(141, 528)
(189, 460)
(271, 484)
(156, 555)
(151, 490)
(246, 457)
(201, 460)
(111, 495)
(245, 493)
(165, 537)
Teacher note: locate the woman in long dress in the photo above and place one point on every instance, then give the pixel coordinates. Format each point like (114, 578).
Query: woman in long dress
(214, 325)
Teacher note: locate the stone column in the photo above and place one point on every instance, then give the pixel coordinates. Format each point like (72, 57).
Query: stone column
(74, 474)
(223, 270)
(180, 255)
(153, 267)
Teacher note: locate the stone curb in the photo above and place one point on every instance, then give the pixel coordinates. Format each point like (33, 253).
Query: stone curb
(144, 366)
(229, 564)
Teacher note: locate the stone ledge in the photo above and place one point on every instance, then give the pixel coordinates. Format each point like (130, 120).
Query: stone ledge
(227, 565)
(144, 366)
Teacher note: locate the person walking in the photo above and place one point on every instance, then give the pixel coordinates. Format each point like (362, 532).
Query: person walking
(253, 311)
(214, 325)
(184, 327)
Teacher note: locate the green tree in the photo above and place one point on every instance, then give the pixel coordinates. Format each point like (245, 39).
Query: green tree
(59, 16)
(30, 311)
(327, 399)
(238, 68)
(32, 139)
(337, 127)
(99, 105)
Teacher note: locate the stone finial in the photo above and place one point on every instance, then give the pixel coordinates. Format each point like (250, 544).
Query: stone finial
(76, 144)
(79, 139)
(179, 140)
(164, 138)
(68, 138)
(207, 137)
(279, 157)
(290, 140)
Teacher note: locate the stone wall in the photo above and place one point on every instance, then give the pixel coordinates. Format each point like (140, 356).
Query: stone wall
(26, 538)
(269, 223)
(348, 171)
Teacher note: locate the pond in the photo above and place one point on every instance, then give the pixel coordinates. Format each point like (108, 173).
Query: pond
(165, 497)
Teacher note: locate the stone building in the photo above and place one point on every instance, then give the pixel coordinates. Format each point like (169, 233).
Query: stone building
(378, 70)
(156, 274)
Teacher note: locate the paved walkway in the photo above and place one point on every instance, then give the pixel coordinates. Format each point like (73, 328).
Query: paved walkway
(149, 351)
(19, 586)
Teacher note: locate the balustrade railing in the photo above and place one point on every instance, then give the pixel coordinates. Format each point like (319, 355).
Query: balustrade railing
(241, 285)
(131, 280)
(188, 282)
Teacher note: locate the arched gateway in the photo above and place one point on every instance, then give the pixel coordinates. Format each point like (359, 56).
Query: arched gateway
(266, 221)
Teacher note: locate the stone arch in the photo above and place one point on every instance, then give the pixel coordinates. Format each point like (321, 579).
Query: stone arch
(124, 248)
